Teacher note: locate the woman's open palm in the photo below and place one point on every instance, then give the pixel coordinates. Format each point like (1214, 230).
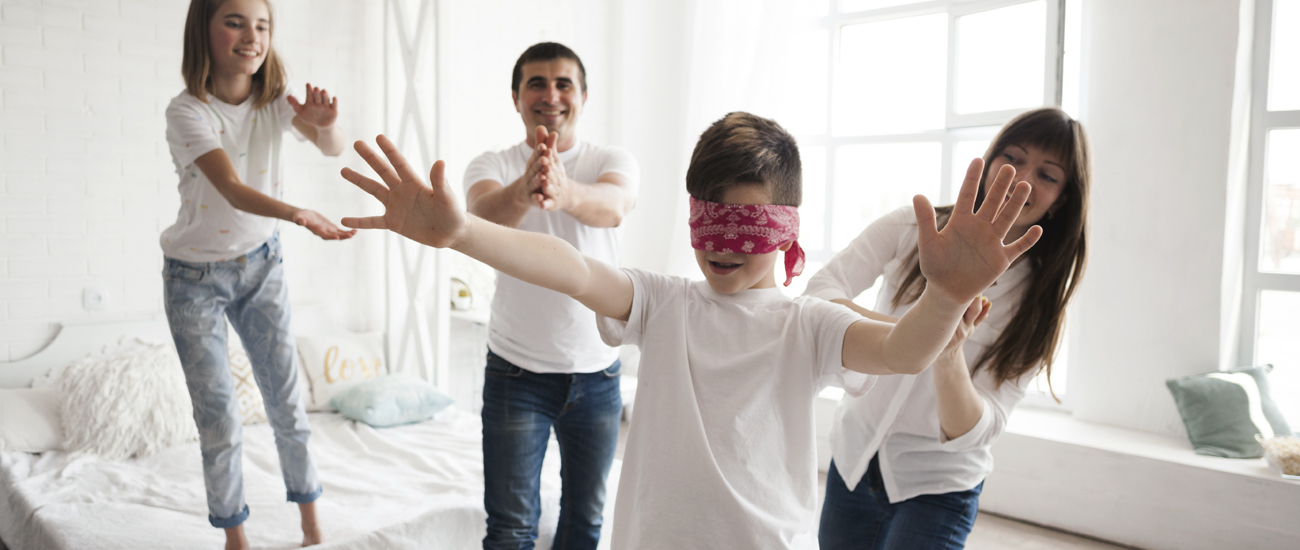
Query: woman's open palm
(969, 255)
(427, 213)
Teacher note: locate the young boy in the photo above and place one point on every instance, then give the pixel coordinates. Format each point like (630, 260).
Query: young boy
(721, 454)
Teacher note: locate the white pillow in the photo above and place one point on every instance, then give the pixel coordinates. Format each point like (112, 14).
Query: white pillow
(29, 420)
(335, 362)
(129, 400)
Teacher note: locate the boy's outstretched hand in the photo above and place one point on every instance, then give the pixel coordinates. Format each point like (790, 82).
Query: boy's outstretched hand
(426, 213)
(969, 255)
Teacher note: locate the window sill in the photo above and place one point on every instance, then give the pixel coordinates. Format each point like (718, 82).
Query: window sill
(1136, 488)
(1061, 427)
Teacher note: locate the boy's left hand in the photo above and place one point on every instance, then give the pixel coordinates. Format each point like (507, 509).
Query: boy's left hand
(969, 255)
(319, 110)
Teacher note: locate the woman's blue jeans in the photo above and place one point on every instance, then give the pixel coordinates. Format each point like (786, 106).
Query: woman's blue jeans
(519, 410)
(864, 518)
(250, 291)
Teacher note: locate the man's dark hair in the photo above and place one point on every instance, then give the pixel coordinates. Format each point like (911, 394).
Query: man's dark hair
(745, 149)
(547, 51)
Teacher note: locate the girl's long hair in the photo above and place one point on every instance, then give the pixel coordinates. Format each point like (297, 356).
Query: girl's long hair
(196, 62)
(1056, 261)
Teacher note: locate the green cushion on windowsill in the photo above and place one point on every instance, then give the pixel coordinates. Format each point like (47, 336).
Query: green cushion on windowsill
(1224, 410)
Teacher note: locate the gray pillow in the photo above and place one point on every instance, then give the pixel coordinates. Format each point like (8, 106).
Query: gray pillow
(1224, 410)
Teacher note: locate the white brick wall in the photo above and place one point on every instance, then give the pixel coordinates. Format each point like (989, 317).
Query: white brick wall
(86, 182)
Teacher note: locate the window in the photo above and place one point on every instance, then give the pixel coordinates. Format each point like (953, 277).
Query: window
(910, 92)
(1271, 300)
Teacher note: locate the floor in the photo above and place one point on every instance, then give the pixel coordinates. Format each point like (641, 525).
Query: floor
(991, 532)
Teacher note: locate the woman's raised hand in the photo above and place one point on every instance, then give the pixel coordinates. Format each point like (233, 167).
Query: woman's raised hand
(427, 213)
(969, 255)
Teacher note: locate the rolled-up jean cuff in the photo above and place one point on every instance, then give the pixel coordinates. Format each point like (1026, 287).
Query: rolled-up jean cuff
(232, 521)
(304, 498)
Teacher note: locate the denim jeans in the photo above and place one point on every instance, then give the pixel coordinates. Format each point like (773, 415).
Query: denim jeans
(865, 519)
(519, 410)
(250, 291)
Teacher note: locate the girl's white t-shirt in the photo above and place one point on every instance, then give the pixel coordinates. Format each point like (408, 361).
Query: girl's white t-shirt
(208, 228)
(899, 420)
(722, 450)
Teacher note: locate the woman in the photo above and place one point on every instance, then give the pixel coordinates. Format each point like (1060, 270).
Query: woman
(910, 457)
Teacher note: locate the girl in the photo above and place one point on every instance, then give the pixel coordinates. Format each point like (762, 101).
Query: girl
(222, 256)
(910, 459)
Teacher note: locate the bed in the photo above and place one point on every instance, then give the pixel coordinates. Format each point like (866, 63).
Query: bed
(413, 486)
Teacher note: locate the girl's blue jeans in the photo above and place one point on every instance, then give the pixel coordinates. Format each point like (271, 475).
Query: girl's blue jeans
(519, 410)
(865, 519)
(250, 291)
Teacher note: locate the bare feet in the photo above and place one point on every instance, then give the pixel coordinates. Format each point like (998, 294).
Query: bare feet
(310, 530)
(235, 539)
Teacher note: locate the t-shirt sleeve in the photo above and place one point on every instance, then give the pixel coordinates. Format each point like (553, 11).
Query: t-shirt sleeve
(191, 132)
(830, 322)
(487, 166)
(648, 290)
(856, 268)
(620, 161)
(285, 114)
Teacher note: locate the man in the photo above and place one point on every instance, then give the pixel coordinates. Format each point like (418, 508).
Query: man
(546, 365)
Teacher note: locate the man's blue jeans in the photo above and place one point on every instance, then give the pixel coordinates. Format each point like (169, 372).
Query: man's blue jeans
(250, 291)
(519, 410)
(865, 519)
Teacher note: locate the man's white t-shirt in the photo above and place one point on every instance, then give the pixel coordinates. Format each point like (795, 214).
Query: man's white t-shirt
(722, 450)
(207, 228)
(538, 329)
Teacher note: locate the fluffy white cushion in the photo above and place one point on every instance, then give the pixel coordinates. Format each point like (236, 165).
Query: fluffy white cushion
(337, 361)
(129, 400)
(29, 420)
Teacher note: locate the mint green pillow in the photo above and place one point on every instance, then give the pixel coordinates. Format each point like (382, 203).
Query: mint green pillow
(390, 401)
(1224, 410)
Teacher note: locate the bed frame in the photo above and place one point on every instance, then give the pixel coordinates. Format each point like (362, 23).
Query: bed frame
(76, 340)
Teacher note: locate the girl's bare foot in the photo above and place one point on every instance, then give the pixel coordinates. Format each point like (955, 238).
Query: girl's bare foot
(235, 539)
(310, 530)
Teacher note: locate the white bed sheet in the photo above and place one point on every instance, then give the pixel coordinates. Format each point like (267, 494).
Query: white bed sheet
(415, 486)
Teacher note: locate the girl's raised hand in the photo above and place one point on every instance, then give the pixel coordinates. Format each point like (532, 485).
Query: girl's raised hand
(969, 255)
(427, 213)
(321, 226)
(318, 109)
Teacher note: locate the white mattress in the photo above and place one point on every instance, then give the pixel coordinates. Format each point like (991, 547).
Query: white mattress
(416, 486)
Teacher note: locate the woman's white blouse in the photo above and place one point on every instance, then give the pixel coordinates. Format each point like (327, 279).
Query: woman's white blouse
(897, 418)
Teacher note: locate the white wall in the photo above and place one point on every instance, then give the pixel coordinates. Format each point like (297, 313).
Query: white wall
(1159, 110)
(88, 184)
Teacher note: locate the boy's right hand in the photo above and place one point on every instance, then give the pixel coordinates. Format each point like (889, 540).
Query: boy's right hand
(427, 213)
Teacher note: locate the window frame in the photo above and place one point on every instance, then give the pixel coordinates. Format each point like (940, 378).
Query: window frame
(957, 127)
(1262, 121)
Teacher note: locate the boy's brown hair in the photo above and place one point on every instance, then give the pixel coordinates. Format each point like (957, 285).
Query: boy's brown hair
(196, 61)
(745, 149)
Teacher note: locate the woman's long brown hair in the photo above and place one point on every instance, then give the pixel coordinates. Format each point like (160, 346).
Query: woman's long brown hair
(1056, 261)
(196, 62)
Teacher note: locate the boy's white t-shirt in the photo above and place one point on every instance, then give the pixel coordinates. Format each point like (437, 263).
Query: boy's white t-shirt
(539, 329)
(722, 450)
(208, 228)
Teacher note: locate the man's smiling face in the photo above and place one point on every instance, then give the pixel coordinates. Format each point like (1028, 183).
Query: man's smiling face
(550, 94)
